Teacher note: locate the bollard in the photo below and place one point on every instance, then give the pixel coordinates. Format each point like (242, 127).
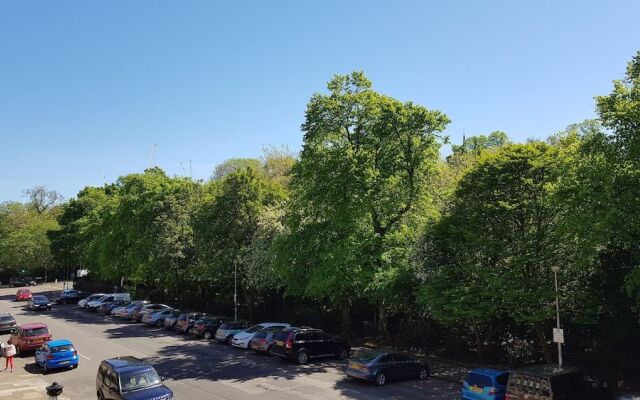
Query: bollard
(54, 390)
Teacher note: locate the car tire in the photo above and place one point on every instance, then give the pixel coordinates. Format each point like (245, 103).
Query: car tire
(302, 357)
(343, 354)
(228, 339)
(206, 335)
(423, 374)
(269, 351)
(381, 379)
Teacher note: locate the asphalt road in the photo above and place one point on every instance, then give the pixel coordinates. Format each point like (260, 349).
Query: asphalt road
(197, 369)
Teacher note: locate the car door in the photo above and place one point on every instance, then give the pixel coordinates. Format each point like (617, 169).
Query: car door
(404, 366)
(325, 344)
(388, 367)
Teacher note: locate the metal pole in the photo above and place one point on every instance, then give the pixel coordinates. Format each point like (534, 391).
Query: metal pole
(555, 274)
(235, 291)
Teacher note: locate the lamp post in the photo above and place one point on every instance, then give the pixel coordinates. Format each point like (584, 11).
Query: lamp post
(235, 291)
(555, 270)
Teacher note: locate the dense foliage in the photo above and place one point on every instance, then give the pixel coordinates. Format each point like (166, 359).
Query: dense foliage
(371, 226)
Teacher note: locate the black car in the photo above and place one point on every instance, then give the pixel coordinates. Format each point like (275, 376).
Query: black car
(7, 323)
(301, 344)
(70, 296)
(551, 382)
(128, 378)
(39, 302)
(21, 281)
(381, 367)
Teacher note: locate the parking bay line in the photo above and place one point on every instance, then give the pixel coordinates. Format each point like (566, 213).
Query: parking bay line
(85, 357)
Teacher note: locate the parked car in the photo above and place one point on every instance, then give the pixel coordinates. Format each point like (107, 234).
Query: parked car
(29, 337)
(382, 367)
(226, 331)
(552, 382)
(22, 281)
(108, 298)
(82, 303)
(206, 327)
(129, 311)
(129, 378)
(124, 311)
(7, 322)
(157, 318)
(147, 309)
(186, 320)
(23, 294)
(301, 344)
(262, 341)
(629, 396)
(171, 319)
(485, 384)
(39, 302)
(71, 296)
(106, 308)
(243, 338)
(56, 354)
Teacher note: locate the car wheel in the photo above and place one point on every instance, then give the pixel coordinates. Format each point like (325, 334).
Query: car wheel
(207, 335)
(343, 354)
(423, 374)
(269, 351)
(302, 358)
(381, 379)
(228, 339)
(100, 396)
(159, 323)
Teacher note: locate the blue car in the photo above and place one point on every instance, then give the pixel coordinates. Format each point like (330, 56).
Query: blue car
(57, 354)
(485, 384)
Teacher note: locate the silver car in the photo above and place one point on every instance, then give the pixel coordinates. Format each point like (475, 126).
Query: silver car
(225, 332)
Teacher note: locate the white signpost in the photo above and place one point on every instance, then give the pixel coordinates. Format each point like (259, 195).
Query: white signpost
(558, 335)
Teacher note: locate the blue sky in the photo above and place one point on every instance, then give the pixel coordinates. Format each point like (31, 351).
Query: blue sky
(87, 87)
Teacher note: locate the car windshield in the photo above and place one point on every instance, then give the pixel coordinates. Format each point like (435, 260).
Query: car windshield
(135, 380)
(6, 318)
(36, 331)
(40, 298)
(254, 328)
(475, 379)
(60, 349)
(95, 297)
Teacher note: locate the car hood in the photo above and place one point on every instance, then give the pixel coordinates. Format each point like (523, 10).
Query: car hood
(157, 392)
(40, 302)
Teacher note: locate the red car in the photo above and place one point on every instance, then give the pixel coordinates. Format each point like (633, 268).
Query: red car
(29, 337)
(23, 295)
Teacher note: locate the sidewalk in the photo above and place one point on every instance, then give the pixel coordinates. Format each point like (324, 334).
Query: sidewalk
(21, 385)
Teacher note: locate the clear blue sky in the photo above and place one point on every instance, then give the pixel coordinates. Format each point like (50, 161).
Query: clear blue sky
(87, 87)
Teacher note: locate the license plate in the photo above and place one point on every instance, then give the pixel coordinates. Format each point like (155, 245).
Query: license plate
(64, 362)
(36, 341)
(476, 389)
(353, 366)
(279, 342)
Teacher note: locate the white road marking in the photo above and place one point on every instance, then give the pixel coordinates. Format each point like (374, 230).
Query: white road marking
(85, 357)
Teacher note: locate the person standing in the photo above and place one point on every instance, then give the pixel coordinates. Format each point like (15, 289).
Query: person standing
(9, 353)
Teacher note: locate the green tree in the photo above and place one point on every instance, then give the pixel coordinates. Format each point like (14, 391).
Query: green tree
(363, 169)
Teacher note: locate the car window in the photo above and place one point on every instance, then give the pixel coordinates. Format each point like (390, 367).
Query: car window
(479, 380)
(401, 357)
(36, 331)
(255, 328)
(325, 336)
(386, 358)
(281, 336)
(502, 379)
(302, 337)
(59, 349)
(139, 379)
(260, 335)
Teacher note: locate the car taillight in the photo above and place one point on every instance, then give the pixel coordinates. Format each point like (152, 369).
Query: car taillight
(289, 343)
(50, 357)
(75, 353)
(493, 391)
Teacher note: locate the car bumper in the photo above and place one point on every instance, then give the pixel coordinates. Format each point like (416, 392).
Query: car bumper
(240, 343)
(263, 348)
(281, 352)
(31, 346)
(195, 332)
(40, 307)
(365, 375)
(52, 364)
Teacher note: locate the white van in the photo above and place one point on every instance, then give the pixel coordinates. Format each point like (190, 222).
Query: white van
(108, 298)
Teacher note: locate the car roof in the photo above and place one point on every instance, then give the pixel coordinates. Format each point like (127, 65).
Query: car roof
(296, 329)
(24, 290)
(268, 324)
(59, 342)
(33, 326)
(6, 314)
(487, 372)
(126, 363)
(547, 370)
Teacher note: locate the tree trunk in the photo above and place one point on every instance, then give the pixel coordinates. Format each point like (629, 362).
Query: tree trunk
(249, 299)
(542, 342)
(346, 320)
(382, 320)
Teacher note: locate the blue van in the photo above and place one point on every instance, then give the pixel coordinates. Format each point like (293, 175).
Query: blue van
(485, 384)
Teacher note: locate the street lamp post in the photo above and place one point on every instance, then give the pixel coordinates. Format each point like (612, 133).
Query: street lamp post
(555, 270)
(235, 291)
